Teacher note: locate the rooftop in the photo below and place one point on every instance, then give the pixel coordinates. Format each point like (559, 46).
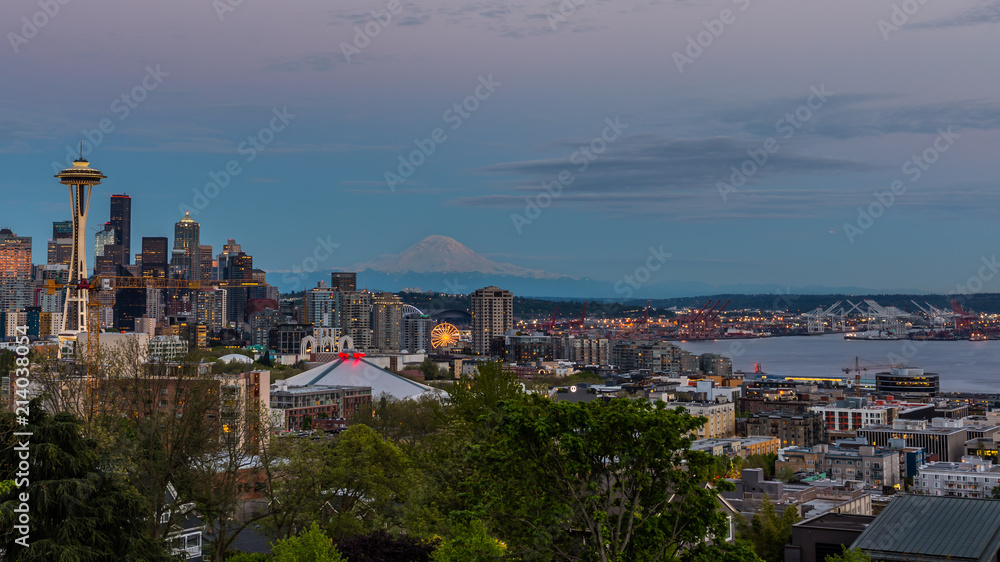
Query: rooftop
(838, 521)
(938, 527)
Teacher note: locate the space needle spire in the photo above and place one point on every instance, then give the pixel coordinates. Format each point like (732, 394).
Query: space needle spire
(80, 179)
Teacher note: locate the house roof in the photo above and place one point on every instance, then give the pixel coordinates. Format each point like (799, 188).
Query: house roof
(936, 527)
(359, 372)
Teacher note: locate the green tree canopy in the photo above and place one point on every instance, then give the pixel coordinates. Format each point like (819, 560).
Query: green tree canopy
(79, 508)
(310, 546)
(597, 480)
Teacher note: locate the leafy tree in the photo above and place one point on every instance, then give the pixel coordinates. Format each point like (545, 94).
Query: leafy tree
(351, 485)
(380, 546)
(765, 462)
(849, 555)
(995, 494)
(597, 481)
(768, 532)
(430, 369)
(473, 397)
(80, 508)
(310, 546)
(786, 474)
(471, 543)
(369, 476)
(249, 557)
(740, 551)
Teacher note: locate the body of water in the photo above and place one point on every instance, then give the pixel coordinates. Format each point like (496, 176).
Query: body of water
(964, 366)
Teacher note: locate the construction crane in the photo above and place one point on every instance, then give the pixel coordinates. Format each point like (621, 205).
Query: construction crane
(94, 286)
(858, 369)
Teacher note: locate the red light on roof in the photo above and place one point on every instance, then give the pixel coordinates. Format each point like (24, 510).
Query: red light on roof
(359, 355)
(343, 355)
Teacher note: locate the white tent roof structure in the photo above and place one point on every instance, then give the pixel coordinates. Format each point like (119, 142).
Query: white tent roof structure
(358, 372)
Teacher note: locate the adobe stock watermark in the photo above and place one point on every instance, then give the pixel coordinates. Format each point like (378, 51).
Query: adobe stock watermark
(122, 107)
(562, 14)
(364, 35)
(786, 127)
(704, 39)
(32, 25)
(223, 7)
(899, 17)
(322, 252)
(22, 478)
(974, 284)
(913, 169)
(642, 274)
(582, 157)
(455, 116)
(249, 149)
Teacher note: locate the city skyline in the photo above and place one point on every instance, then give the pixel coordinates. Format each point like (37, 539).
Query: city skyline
(856, 115)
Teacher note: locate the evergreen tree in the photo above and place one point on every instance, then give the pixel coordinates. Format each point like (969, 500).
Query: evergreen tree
(78, 508)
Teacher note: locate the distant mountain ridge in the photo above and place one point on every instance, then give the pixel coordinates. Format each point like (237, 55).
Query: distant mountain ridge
(442, 254)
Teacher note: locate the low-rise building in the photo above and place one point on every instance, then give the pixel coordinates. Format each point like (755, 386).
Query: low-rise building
(319, 401)
(943, 437)
(876, 468)
(853, 413)
(721, 417)
(737, 446)
(972, 477)
(804, 430)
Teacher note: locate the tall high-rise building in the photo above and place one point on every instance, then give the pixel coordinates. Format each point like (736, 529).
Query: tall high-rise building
(230, 248)
(210, 309)
(187, 248)
(349, 311)
(104, 237)
(62, 230)
(417, 332)
(121, 221)
(492, 316)
(207, 262)
(387, 322)
(344, 281)
(15, 271)
(240, 267)
(154, 256)
(354, 317)
(60, 248)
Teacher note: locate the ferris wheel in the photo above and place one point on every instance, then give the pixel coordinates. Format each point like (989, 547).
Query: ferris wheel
(444, 335)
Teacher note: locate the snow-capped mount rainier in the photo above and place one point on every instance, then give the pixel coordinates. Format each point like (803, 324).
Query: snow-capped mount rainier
(441, 254)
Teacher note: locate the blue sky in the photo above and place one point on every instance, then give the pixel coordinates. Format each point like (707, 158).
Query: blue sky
(210, 77)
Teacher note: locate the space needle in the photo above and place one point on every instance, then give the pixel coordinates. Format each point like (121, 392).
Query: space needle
(81, 179)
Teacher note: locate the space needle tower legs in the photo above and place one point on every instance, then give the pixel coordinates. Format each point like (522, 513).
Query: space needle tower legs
(80, 179)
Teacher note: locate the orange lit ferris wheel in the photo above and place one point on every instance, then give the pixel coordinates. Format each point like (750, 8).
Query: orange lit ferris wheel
(444, 335)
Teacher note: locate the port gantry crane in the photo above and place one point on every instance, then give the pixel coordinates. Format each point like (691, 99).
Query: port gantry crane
(700, 324)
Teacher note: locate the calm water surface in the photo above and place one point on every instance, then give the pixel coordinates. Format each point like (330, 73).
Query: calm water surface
(963, 365)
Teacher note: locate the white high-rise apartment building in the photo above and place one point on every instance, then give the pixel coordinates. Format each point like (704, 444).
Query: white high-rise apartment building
(492, 316)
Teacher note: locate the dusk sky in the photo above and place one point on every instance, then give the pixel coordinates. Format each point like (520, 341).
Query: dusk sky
(550, 77)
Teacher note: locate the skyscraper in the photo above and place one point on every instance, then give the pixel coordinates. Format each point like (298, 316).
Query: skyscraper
(154, 256)
(492, 316)
(60, 248)
(343, 281)
(15, 271)
(62, 230)
(121, 221)
(207, 263)
(387, 322)
(187, 248)
(107, 254)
